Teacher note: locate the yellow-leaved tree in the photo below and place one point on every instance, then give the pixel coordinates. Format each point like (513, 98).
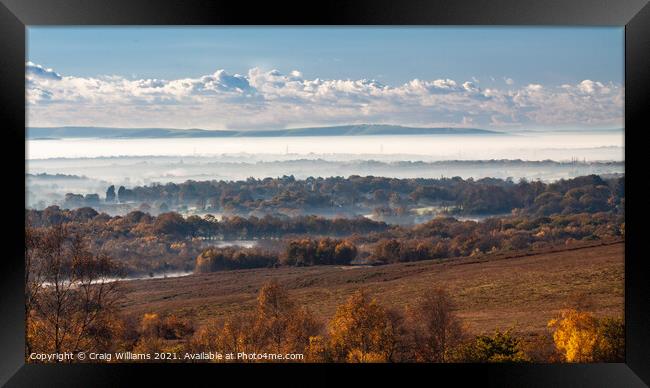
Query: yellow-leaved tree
(361, 331)
(581, 337)
(277, 325)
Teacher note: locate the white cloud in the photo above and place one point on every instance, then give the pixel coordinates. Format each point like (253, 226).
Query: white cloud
(534, 87)
(272, 99)
(34, 70)
(590, 87)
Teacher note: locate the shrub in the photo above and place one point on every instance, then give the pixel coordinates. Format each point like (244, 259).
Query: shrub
(499, 347)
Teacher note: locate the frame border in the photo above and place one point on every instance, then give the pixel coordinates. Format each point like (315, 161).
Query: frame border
(15, 15)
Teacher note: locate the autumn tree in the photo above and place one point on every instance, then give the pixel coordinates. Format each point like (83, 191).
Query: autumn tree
(273, 314)
(318, 350)
(611, 340)
(395, 340)
(276, 325)
(218, 259)
(575, 335)
(324, 251)
(437, 332)
(361, 331)
(235, 334)
(207, 337)
(156, 331)
(171, 224)
(387, 251)
(167, 327)
(581, 337)
(284, 327)
(70, 298)
(302, 327)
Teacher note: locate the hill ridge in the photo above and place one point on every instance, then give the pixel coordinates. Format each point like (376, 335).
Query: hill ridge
(341, 130)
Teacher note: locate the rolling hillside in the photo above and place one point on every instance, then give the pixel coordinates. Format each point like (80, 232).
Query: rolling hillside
(522, 291)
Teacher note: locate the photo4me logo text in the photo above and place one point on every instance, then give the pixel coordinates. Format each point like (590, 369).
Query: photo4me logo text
(131, 356)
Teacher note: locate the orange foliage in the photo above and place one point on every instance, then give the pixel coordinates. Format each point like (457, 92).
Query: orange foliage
(581, 337)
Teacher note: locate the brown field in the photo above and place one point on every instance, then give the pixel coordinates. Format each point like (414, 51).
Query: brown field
(522, 291)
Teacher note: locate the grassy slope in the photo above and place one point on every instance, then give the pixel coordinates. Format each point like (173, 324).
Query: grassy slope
(491, 292)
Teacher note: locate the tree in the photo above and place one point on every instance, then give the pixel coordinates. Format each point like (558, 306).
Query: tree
(437, 331)
(168, 327)
(120, 194)
(611, 340)
(387, 251)
(110, 194)
(273, 312)
(581, 337)
(239, 334)
(317, 349)
(171, 224)
(499, 347)
(73, 200)
(34, 275)
(70, 300)
(575, 335)
(361, 331)
(125, 195)
(219, 259)
(325, 251)
(207, 338)
(301, 328)
(345, 252)
(275, 326)
(284, 327)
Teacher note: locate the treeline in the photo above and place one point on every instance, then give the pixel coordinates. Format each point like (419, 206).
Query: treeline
(170, 242)
(444, 238)
(176, 226)
(334, 194)
(220, 259)
(319, 252)
(436, 240)
(299, 253)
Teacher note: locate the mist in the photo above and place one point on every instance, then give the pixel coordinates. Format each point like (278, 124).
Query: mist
(88, 166)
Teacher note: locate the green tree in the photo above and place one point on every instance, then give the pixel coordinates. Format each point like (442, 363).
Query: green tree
(499, 347)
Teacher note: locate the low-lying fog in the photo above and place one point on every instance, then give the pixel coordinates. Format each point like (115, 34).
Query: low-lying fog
(594, 145)
(87, 166)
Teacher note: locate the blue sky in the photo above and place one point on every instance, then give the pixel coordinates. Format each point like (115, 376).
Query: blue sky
(391, 55)
(503, 59)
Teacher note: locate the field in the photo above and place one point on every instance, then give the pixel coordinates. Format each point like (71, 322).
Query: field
(519, 290)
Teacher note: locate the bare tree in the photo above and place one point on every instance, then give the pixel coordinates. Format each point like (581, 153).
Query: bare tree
(70, 293)
(436, 329)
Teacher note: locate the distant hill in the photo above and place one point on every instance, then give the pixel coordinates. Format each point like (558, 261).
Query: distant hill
(343, 130)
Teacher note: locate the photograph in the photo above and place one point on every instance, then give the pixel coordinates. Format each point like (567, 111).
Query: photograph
(324, 194)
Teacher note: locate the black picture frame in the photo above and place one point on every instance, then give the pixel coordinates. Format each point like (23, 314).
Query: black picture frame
(15, 15)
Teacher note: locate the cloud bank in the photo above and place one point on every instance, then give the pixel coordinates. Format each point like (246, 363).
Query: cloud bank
(272, 99)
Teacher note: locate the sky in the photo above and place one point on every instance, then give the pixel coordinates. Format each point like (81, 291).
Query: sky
(268, 78)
